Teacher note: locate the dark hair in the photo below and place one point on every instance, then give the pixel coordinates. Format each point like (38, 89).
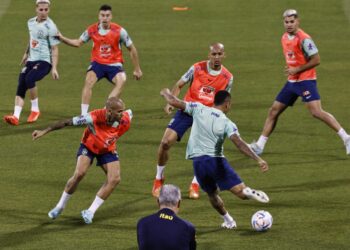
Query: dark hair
(105, 7)
(221, 97)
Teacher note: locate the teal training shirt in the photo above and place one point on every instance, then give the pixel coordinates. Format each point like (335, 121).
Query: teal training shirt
(42, 38)
(209, 129)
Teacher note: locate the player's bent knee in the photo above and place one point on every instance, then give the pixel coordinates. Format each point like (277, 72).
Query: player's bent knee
(114, 181)
(165, 144)
(78, 176)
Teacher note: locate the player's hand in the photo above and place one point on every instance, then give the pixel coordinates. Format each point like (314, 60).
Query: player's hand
(289, 71)
(137, 74)
(263, 165)
(168, 109)
(37, 134)
(24, 59)
(54, 74)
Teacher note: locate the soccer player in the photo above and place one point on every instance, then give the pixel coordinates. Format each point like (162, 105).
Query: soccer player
(302, 57)
(205, 148)
(104, 127)
(164, 229)
(204, 79)
(40, 57)
(106, 55)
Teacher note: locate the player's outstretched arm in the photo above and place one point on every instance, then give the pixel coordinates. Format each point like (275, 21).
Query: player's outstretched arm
(245, 149)
(54, 57)
(61, 124)
(71, 42)
(172, 100)
(175, 91)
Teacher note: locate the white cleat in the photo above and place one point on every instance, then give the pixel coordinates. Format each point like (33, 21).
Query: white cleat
(229, 225)
(254, 146)
(87, 216)
(347, 145)
(55, 212)
(257, 195)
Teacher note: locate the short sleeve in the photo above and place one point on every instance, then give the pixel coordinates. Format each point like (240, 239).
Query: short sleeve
(309, 47)
(85, 36)
(188, 76)
(53, 40)
(192, 108)
(82, 120)
(231, 129)
(125, 38)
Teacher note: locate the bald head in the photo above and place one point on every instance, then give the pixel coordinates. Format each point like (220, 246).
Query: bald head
(115, 103)
(217, 46)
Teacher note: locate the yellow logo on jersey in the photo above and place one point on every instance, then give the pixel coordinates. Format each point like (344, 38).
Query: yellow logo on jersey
(166, 217)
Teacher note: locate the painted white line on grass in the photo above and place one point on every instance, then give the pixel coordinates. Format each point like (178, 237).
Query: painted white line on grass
(346, 7)
(4, 4)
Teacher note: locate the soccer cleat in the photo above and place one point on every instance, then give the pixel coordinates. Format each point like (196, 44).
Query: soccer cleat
(254, 146)
(157, 185)
(11, 119)
(193, 192)
(347, 145)
(87, 216)
(257, 195)
(229, 224)
(33, 116)
(55, 212)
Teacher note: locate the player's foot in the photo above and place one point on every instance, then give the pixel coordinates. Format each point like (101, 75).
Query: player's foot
(87, 216)
(347, 145)
(157, 185)
(55, 212)
(229, 224)
(193, 192)
(254, 146)
(11, 119)
(33, 116)
(257, 195)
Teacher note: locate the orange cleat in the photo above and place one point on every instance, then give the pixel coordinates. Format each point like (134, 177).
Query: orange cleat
(33, 116)
(157, 184)
(193, 192)
(11, 119)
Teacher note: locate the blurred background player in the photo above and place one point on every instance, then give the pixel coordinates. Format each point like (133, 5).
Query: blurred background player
(204, 80)
(302, 57)
(104, 127)
(205, 148)
(106, 55)
(40, 57)
(164, 229)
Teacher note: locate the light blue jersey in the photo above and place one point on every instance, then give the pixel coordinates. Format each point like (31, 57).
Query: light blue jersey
(42, 38)
(209, 129)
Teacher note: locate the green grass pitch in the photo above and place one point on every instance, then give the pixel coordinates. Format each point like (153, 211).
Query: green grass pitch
(308, 182)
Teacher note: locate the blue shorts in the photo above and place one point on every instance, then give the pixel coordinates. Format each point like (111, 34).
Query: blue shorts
(292, 90)
(101, 159)
(32, 72)
(105, 71)
(180, 123)
(214, 172)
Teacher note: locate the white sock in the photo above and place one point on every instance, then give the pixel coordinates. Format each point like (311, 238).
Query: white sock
(35, 105)
(17, 112)
(96, 204)
(343, 135)
(194, 181)
(160, 170)
(262, 141)
(63, 201)
(84, 109)
(227, 217)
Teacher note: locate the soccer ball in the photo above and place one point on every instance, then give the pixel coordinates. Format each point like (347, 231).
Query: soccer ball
(262, 221)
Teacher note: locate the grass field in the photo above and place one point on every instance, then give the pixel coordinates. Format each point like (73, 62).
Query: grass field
(308, 182)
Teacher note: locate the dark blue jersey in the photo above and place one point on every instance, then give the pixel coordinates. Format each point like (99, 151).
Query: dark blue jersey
(165, 230)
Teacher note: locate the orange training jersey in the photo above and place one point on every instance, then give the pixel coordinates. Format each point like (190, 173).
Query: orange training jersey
(101, 138)
(204, 85)
(296, 55)
(106, 49)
